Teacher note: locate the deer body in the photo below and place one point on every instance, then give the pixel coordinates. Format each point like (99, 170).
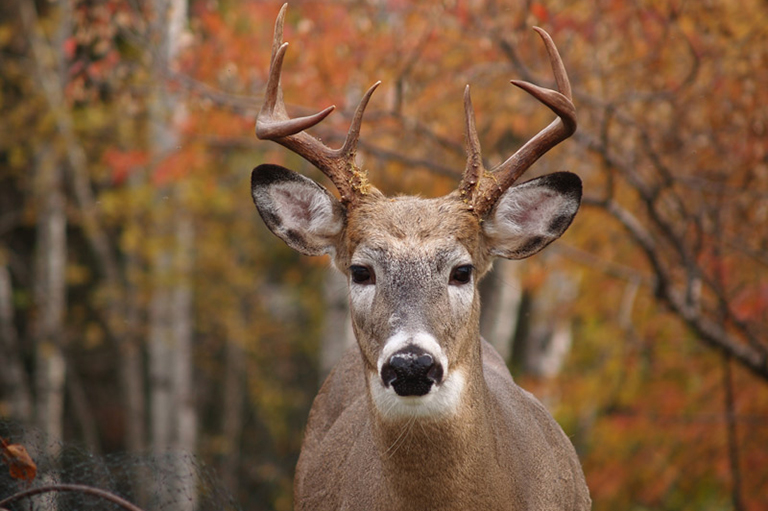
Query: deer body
(422, 413)
(478, 460)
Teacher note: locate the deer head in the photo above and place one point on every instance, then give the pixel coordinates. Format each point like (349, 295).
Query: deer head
(413, 264)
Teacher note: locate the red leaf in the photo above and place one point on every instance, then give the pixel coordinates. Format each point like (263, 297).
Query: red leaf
(69, 47)
(540, 11)
(20, 464)
(751, 303)
(123, 163)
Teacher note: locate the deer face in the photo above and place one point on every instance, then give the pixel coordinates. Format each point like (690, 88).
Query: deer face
(413, 265)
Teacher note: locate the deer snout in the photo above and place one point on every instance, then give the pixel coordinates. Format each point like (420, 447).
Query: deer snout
(411, 372)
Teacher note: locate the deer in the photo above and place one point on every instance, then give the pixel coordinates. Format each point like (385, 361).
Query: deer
(422, 413)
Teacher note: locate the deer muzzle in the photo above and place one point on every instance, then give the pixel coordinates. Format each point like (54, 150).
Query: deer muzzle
(411, 371)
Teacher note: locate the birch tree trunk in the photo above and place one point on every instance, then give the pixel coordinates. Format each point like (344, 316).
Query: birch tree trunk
(337, 333)
(160, 354)
(501, 294)
(49, 287)
(50, 293)
(173, 418)
(49, 68)
(544, 338)
(185, 436)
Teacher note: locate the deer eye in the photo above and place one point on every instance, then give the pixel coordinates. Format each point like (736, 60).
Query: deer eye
(461, 275)
(362, 275)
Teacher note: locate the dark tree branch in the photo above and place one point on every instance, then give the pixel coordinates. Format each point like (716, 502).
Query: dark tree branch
(731, 433)
(76, 488)
(709, 331)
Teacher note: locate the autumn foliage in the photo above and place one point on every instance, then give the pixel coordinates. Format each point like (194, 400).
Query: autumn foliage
(665, 390)
(17, 459)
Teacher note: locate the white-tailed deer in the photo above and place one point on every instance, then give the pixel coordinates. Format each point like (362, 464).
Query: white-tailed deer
(422, 413)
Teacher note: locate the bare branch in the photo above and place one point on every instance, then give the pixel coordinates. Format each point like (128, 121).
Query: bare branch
(76, 488)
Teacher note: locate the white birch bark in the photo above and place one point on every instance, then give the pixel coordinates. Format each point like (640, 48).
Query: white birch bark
(50, 251)
(173, 417)
(50, 295)
(549, 336)
(337, 332)
(501, 294)
(160, 354)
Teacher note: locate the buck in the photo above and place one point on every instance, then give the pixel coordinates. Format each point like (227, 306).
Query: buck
(423, 413)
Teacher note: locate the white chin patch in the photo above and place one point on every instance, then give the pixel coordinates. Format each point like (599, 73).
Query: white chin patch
(441, 401)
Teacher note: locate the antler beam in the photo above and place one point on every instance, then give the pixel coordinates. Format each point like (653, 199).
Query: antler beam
(480, 188)
(273, 123)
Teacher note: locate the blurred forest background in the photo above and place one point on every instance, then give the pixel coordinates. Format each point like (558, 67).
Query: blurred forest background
(144, 307)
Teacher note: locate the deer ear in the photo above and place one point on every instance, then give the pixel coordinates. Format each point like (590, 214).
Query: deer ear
(530, 216)
(297, 210)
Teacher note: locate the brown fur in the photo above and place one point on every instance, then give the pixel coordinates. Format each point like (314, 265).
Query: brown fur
(501, 450)
(504, 451)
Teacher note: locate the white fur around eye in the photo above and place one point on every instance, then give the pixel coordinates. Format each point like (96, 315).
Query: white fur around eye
(361, 297)
(461, 298)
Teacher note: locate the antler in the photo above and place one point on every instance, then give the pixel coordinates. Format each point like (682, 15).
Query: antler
(273, 123)
(480, 188)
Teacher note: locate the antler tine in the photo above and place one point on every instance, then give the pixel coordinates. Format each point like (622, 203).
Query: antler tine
(273, 123)
(277, 37)
(559, 101)
(350, 143)
(558, 68)
(474, 169)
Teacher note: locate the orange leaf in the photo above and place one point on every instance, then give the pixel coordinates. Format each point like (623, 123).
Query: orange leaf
(124, 162)
(540, 11)
(19, 462)
(70, 47)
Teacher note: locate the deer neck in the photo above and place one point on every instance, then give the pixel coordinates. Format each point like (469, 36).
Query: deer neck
(440, 457)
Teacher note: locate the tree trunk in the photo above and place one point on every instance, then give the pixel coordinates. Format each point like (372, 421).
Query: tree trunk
(131, 377)
(543, 341)
(81, 411)
(160, 354)
(501, 294)
(232, 414)
(173, 417)
(51, 249)
(13, 378)
(337, 333)
(50, 294)
(185, 434)
(130, 346)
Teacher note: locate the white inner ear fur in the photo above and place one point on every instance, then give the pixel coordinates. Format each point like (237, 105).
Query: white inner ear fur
(527, 218)
(305, 209)
(528, 213)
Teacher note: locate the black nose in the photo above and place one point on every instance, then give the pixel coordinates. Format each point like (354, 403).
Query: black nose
(411, 372)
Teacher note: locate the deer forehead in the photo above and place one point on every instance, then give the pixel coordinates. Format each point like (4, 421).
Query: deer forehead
(425, 232)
